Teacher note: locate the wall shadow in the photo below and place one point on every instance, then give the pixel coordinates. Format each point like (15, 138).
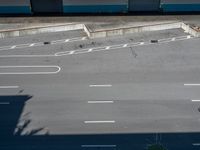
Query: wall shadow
(11, 108)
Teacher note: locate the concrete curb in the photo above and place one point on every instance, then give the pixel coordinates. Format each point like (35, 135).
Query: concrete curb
(138, 29)
(190, 30)
(99, 33)
(39, 29)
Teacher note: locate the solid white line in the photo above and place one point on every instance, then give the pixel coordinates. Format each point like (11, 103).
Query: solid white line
(4, 103)
(103, 85)
(191, 84)
(9, 87)
(24, 56)
(100, 102)
(110, 121)
(101, 146)
(29, 73)
(195, 100)
(196, 144)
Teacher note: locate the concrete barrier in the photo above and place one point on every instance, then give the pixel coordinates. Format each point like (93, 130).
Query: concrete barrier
(132, 29)
(39, 29)
(117, 31)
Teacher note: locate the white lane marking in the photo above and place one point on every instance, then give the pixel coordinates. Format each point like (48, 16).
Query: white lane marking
(95, 49)
(100, 102)
(192, 84)
(71, 52)
(196, 144)
(4, 103)
(29, 73)
(83, 38)
(173, 39)
(90, 50)
(189, 36)
(9, 47)
(31, 44)
(102, 85)
(195, 100)
(108, 47)
(24, 56)
(13, 47)
(109, 121)
(9, 87)
(99, 146)
(125, 45)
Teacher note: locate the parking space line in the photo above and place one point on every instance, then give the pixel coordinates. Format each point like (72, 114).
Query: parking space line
(9, 87)
(95, 122)
(195, 100)
(103, 85)
(4, 103)
(98, 146)
(29, 73)
(191, 84)
(100, 102)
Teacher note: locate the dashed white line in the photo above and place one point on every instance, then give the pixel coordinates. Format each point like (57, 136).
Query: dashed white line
(195, 100)
(83, 38)
(102, 85)
(100, 102)
(141, 43)
(90, 50)
(13, 47)
(94, 122)
(67, 40)
(98, 146)
(108, 47)
(173, 39)
(9, 87)
(192, 84)
(125, 45)
(31, 44)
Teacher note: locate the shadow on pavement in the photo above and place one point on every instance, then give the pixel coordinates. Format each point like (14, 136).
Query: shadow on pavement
(11, 108)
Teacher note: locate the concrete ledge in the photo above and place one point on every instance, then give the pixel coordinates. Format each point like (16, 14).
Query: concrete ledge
(108, 32)
(128, 29)
(39, 29)
(100, 31)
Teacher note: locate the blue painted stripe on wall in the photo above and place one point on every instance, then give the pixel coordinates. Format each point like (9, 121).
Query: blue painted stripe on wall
(15, 10)
(180, 7)
(95, 8)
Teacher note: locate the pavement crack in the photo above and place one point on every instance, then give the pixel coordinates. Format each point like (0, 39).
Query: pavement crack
(133, 52)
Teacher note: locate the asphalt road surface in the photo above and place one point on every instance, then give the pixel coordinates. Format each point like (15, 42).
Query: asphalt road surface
(65, 91)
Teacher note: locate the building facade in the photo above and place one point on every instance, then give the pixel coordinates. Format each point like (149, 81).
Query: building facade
(96, 6)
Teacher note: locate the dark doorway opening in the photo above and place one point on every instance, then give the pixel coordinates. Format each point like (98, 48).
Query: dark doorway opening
(46, 6)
